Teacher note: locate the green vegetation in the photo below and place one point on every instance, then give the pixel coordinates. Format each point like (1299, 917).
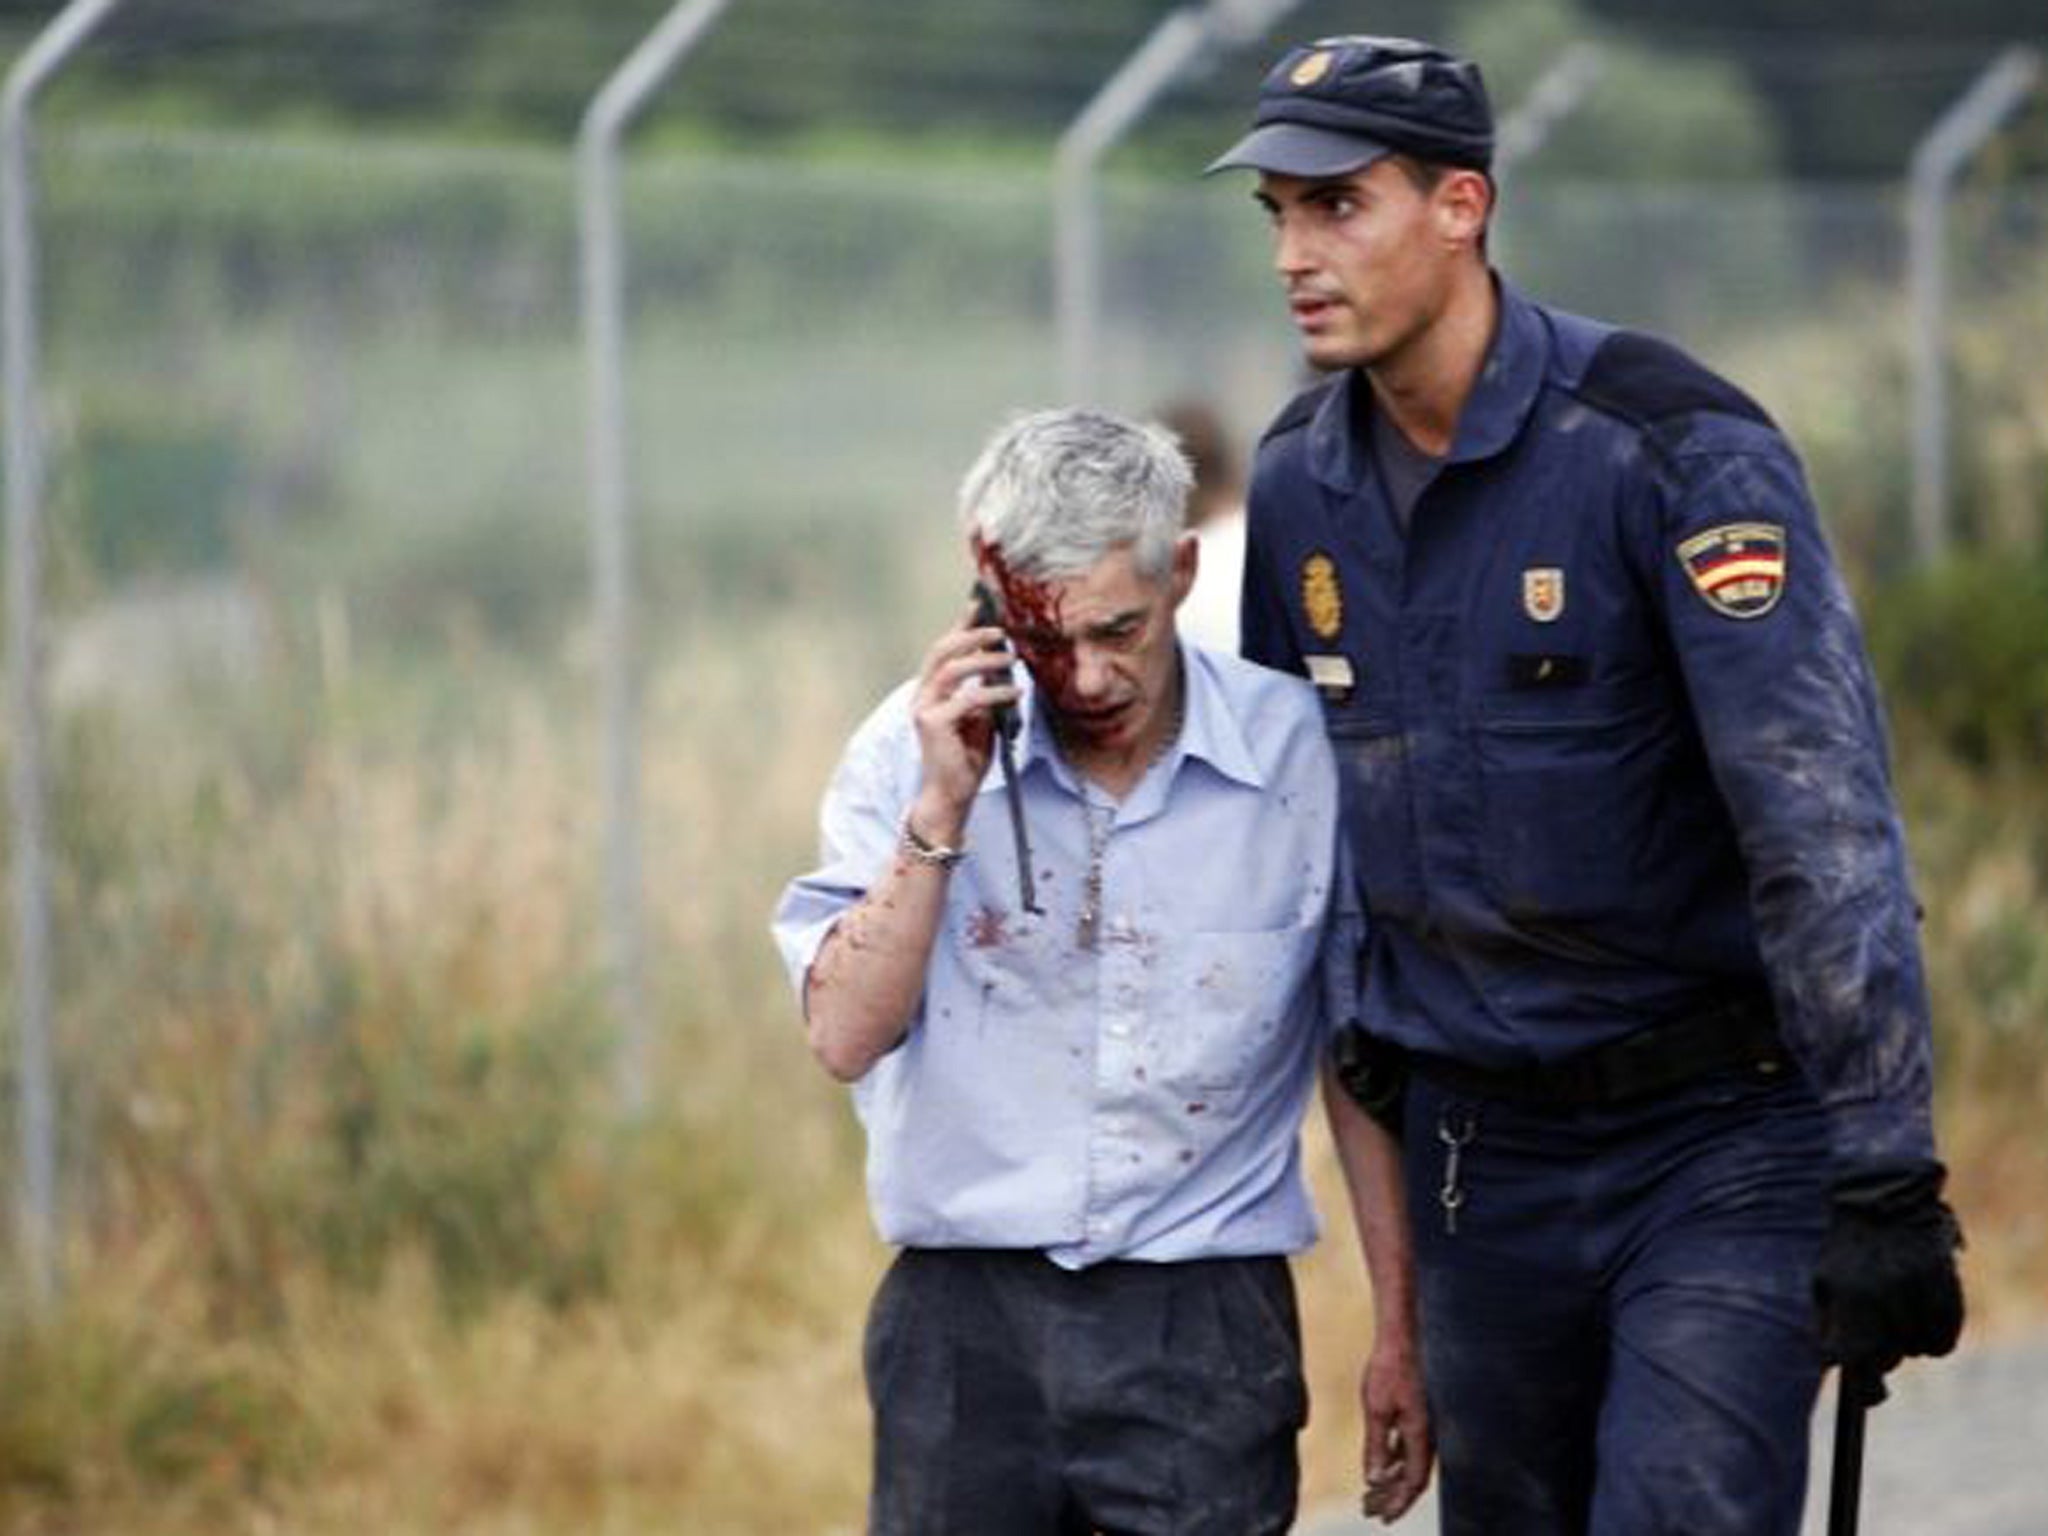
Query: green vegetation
(156, 486)
(1967, 645)
(1652, 116)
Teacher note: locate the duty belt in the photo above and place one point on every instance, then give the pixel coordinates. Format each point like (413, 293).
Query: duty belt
(1739, 1032)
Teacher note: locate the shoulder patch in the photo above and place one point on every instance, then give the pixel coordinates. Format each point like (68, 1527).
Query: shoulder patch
(1649, 381)
(1738, 568)
(1298, 411)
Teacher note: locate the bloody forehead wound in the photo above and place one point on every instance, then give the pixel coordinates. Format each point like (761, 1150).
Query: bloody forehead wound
(1032, 617)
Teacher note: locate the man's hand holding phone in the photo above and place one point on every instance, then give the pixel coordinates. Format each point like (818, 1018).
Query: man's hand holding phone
(965, 681)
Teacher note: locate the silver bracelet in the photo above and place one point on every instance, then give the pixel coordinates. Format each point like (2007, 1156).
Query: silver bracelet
(936, 854)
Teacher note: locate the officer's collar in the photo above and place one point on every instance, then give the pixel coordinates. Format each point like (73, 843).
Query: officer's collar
(1506, 388)
(1502, 396)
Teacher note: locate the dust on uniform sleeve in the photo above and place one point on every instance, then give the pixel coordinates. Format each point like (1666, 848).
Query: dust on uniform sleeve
(1782, 692)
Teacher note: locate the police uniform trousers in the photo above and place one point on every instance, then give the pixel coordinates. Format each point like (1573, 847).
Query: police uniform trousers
(1617, 1314)
(1015, 1398)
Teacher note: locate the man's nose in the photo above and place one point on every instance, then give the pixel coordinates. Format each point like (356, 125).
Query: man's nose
(1291, 255)
(1092, 672)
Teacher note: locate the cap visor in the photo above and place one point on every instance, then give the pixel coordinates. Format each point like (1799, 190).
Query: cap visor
(1296, 149)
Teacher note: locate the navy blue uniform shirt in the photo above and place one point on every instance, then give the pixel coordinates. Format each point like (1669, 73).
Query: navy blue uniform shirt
(1609, 742)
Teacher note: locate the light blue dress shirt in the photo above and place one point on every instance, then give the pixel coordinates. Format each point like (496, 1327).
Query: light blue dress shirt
(1140, 1098)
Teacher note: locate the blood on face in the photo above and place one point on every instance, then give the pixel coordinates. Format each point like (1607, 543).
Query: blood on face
(1033, 619)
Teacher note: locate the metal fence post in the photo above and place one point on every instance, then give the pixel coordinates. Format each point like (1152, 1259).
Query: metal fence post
(603, 295)
(35, 1073)
(1124, 99)
(1558, 92)
(1938, 160)
(1077, 234)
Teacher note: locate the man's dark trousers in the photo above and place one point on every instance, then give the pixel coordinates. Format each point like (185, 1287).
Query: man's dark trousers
(1016, 1398)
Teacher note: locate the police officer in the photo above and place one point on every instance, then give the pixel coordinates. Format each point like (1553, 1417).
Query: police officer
(1614, 771)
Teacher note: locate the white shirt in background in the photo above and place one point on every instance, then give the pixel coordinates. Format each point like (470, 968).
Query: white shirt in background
(1209, 616)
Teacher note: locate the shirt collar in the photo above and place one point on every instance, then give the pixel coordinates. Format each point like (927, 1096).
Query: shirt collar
(1505, 391)
(1338, 456)
(1501, 399)
(1209, 730)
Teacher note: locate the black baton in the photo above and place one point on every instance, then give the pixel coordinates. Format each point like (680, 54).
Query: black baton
(1858, 1390)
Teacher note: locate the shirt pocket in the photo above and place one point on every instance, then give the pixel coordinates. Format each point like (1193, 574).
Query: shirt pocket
(1228, 1010)
(1570, 781)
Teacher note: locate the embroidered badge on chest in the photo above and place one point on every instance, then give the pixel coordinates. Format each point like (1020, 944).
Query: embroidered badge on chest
(1322, 599)
(1739, 568)
(1543, 593)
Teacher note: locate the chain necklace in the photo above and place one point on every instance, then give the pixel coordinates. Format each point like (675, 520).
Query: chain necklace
(1088, 928)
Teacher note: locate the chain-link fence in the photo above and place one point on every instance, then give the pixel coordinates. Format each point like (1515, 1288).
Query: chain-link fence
(317, 405)
(317, 417)
(380, 340)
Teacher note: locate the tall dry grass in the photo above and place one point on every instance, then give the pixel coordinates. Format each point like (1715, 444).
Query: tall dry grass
(359, 1242)
(1980, 840)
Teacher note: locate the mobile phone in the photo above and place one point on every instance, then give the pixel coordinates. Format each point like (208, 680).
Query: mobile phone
(985, 615)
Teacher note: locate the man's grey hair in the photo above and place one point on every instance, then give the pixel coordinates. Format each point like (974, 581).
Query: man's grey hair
(1055, 491)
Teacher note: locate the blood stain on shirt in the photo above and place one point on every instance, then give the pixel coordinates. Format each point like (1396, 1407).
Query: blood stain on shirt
(985, 928)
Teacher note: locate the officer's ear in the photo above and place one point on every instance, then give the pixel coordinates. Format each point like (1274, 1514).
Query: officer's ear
(1463, 201)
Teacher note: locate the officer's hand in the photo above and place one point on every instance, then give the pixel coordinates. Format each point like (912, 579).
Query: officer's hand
(1886, 1285)
(1398, 1450)
(963, 681)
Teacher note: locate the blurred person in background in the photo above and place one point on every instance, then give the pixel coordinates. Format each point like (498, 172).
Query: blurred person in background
(1216, 518)
(1641, 942)
(1083, 1120)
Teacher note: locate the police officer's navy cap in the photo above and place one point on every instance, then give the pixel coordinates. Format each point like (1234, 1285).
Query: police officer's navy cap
(1336, 106)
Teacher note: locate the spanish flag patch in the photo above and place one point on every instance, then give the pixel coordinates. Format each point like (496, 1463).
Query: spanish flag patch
(1739, 568)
